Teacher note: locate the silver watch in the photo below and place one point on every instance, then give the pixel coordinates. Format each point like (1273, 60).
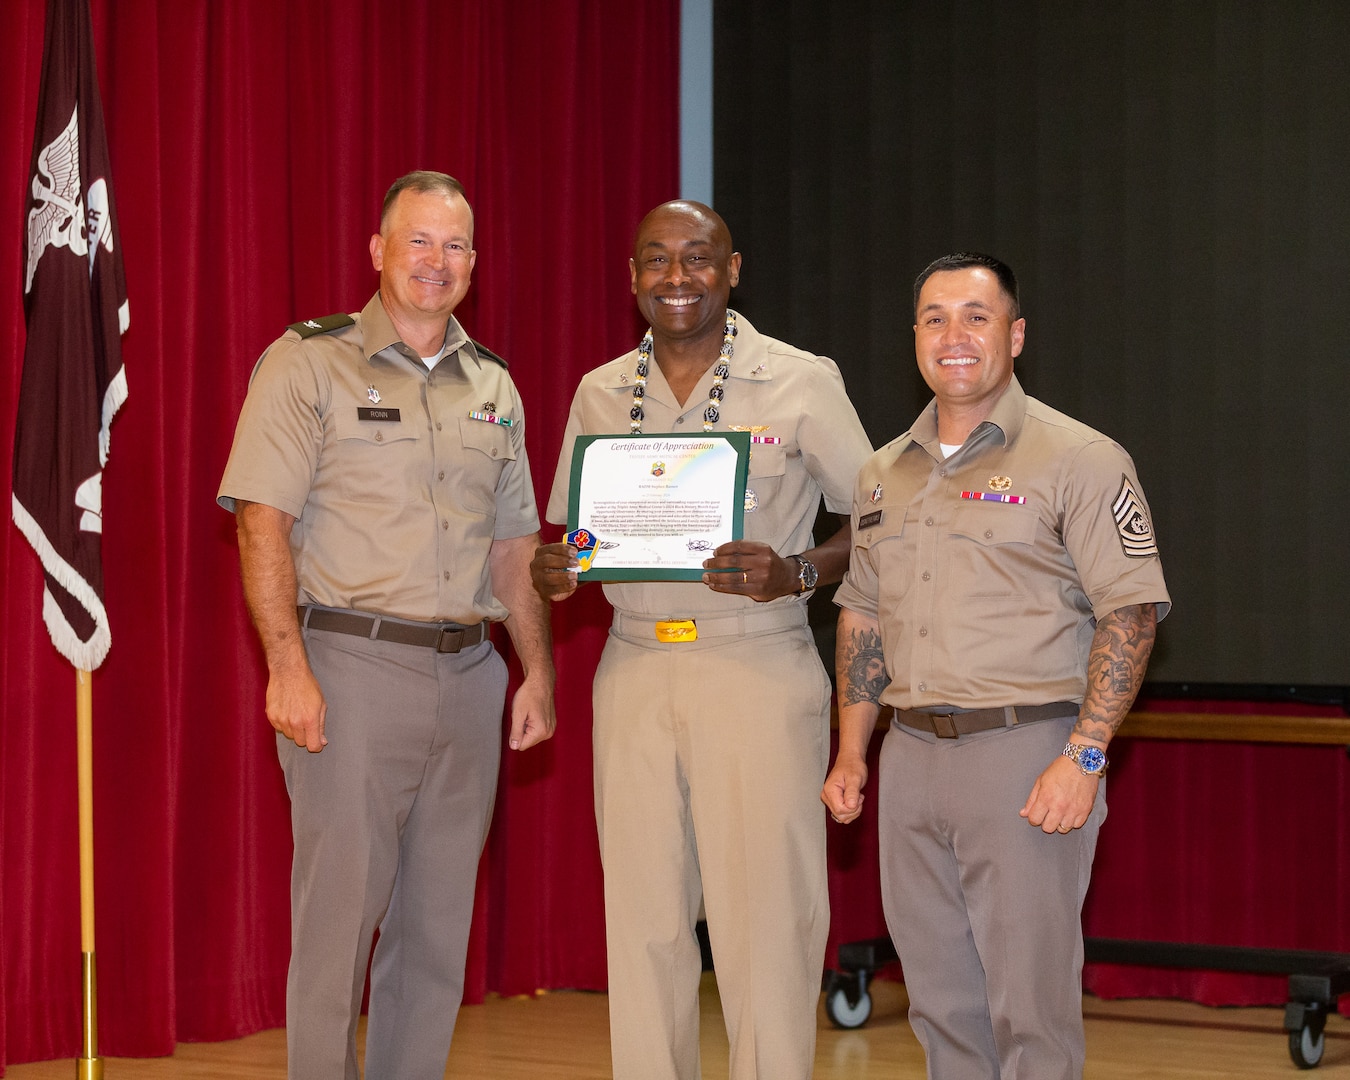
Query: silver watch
(807, 573)
(1091, 760)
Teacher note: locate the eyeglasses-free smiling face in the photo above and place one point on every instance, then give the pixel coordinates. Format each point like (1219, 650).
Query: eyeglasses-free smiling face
(424, 254)
(683, 270)
(965, 339)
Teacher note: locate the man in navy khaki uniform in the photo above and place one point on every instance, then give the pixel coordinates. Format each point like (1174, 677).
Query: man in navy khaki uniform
(1002, 596)
(711, 704)
(385, 517)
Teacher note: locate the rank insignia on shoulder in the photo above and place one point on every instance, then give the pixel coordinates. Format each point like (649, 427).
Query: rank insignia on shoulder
(1132, 523)
(326, 325)
(486, 353)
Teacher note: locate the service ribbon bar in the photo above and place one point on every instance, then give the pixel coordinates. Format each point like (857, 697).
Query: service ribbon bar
(491, 418)
(767, 440)
(993, 496)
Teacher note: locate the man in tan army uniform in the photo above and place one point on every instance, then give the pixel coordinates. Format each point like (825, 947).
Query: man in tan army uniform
(1002, 596)
(386, 517)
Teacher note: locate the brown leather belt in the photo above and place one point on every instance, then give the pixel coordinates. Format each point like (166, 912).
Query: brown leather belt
(443, 637)
(951, 725)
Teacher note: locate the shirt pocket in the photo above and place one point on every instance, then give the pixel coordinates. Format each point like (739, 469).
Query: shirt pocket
(885, 551)
(486, 450)
(767, 460)
(992, 549)
(377, 460)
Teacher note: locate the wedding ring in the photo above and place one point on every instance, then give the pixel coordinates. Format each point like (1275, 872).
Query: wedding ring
(1063, 829)
(745, 577)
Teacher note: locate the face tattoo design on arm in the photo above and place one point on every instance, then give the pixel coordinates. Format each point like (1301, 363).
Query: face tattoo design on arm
(866, 666)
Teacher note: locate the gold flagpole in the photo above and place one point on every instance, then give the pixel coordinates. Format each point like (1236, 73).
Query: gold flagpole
(90, 1065)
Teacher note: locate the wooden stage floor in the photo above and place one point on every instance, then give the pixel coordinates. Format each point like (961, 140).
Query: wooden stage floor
(564, 1036)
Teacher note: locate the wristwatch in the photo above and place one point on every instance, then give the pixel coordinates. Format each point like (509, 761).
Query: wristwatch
(1090, 760)
(807, 573)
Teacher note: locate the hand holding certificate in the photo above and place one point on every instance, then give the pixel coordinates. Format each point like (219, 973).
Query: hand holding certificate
(654, 507)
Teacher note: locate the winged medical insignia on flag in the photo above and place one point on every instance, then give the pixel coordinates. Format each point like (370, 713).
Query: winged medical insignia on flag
(75, 307)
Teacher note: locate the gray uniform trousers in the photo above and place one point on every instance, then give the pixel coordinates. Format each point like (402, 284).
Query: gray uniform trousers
(389, 821)
(985, 910)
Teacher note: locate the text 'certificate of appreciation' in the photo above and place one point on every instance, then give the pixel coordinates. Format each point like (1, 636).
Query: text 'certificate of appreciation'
(653, 507)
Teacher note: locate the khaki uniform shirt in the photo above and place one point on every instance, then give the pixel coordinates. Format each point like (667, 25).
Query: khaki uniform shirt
(792, 395)
(397, 491)
(986, 603)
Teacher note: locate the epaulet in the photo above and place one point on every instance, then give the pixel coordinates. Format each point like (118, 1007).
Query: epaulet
(327, 324)
(487, 354)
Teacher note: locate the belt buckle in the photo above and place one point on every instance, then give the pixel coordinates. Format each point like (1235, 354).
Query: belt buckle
(944, 725)
(676, 631)
(448, 635)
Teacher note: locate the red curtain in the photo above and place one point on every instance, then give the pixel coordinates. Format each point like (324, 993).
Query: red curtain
(251, 144)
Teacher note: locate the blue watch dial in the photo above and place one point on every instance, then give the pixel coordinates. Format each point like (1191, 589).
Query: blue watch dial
(1091, 760)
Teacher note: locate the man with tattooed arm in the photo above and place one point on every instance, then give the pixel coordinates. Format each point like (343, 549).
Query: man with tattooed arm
(1002, 597)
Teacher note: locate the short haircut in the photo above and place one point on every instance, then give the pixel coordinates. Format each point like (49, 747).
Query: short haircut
(964, 260)
(421, 182)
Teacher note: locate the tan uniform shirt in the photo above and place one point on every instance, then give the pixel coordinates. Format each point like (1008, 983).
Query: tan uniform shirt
(791, 394)
(987, 602)
(398, 492)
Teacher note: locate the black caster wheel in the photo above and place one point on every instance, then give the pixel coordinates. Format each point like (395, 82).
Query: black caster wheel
(1306, 1046)
(843, 1012)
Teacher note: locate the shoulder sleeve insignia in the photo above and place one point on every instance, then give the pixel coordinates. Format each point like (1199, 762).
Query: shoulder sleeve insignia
(328, 323)
(1132, 523)
(486, 353)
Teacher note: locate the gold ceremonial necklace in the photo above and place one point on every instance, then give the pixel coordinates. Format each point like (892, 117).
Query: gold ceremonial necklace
(714, 407)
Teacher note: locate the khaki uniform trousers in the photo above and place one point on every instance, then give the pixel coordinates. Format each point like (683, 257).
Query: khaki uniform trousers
(389, 822)
(709, 757)
(985, 910)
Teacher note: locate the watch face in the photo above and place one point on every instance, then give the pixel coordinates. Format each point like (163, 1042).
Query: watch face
(1091, 760)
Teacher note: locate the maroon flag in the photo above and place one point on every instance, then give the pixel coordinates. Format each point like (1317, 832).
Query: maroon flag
(75, 306)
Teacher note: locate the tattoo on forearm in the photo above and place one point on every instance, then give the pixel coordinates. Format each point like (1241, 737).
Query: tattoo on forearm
(864, 668)
(1116, 666)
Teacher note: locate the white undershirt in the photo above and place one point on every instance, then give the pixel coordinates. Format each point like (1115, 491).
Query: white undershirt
(948, 450)
(431, 361)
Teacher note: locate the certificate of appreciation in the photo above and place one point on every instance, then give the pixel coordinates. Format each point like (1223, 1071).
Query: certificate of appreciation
(653, 507)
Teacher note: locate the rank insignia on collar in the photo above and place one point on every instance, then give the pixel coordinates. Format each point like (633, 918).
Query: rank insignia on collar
(876, 493)
(373, 394)
(1000, 483)
(1132, 523)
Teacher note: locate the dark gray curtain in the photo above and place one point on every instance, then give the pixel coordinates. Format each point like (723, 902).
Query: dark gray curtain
(1169, 182)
